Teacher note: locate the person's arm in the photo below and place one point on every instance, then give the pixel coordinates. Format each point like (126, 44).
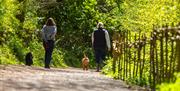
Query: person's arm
(92, 38)
(43, 34)
(54, 33)
(107, 40)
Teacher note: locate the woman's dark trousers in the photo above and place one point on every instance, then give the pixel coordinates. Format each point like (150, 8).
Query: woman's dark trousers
(49, 46)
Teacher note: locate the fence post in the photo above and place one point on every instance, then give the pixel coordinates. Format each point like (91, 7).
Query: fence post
(119, 58)
(178, 48)
(153, 62)
(134, 56)
(161, 57)
(127, 51)
(150, 81)
(172, 56)
(166, 51)
(139, 55)
(124, 72)
(130, 46)
(144, 50)
(156, 56)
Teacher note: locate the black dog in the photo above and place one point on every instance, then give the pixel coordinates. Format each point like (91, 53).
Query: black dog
(29, 59)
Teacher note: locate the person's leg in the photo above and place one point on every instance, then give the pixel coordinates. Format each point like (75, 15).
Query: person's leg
(98, 59)
(102, 53)
(49, 52)
(47, 58)
(51, 48)
(45, 45)
(103, 56)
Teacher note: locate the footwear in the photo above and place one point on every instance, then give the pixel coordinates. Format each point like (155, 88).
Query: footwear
(98, 71)
(47, 67)
(98, 68)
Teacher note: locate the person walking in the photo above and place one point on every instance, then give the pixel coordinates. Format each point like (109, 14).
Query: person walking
(48, 35)
(100, 43)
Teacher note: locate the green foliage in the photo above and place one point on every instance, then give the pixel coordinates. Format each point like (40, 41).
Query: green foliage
(76, 20)
(18, 27)
(29, 9)
(38, 52)
(6, 56)
(108, 69)
(58, 58)
(170, 86)
(140, 16)
(17, 47)
(8, 10)
(139, 81)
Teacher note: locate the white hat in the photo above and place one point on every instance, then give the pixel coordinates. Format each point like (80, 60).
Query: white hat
(100, 25)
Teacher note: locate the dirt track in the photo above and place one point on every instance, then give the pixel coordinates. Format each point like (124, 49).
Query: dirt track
(23, 78)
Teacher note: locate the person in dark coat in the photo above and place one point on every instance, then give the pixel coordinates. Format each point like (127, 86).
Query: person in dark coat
(100, 43)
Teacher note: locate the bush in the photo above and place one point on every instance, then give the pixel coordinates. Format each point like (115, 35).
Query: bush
(170, 86)
(58, 58)
(17, 47)
(107, 69)
(6, 56)
(37, 50)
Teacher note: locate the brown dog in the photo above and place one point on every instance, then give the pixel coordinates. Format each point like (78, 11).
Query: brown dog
(85, 62)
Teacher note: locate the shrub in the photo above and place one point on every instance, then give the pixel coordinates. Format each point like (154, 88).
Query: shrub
(6, 56)
(171, 86)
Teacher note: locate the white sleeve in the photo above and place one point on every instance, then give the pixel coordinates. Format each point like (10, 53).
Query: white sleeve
(92, 38)
(107, 39)
(43, 34)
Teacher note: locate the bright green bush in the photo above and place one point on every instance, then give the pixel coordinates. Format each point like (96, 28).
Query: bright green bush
(8, 9)
(37, 50)
(171, 86)
(108, 70)
(17, 47)
(58, 58)
(6, 56)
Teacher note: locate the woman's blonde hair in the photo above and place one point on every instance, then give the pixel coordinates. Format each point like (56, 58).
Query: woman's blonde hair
(50, 22)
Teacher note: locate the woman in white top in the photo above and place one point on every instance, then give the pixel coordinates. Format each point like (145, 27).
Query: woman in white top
(48, 35)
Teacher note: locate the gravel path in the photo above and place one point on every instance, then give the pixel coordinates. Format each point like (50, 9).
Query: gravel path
(23, 78)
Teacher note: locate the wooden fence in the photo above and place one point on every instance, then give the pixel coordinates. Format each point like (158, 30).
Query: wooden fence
(147, 61)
